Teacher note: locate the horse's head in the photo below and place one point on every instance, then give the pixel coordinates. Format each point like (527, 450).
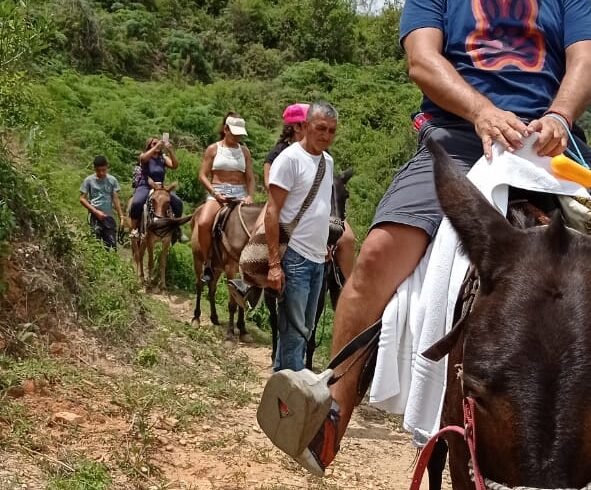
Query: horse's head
(161, 198)
(527, 342)
(338, 203)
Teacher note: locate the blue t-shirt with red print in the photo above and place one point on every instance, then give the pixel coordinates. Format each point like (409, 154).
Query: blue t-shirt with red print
(512, 51)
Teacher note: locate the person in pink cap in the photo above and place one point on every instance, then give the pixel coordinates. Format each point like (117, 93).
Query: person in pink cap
(294, 116)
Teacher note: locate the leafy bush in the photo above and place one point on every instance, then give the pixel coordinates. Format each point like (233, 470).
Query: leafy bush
(322, 29)
(179, 268)
(113, 306)
(189, 188)
(21, 209)
(148, 357)
(209, 39)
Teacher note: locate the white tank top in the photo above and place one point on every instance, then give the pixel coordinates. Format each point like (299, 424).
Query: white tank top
(227, 158)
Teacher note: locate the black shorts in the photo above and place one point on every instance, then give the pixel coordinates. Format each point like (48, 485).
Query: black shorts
(411, 199)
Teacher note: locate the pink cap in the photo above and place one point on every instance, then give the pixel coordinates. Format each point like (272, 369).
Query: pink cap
(295, 113)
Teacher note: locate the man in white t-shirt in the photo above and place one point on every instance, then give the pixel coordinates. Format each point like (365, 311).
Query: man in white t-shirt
(301, 270)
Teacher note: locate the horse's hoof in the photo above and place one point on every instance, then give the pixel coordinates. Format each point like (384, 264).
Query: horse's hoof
(195, 323)
(215, 320)
(246, 338)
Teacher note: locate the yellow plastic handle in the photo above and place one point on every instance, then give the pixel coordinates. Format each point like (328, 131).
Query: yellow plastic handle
(568, 169)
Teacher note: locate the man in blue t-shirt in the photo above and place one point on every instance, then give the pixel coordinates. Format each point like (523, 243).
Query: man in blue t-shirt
(99, 193)
(490, 71)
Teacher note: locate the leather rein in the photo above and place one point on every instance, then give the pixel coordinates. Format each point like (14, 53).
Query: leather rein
(468, 432)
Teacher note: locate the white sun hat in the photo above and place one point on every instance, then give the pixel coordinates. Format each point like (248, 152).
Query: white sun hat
(237, 126)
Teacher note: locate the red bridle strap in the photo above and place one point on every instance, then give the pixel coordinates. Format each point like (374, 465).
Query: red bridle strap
(469, 435)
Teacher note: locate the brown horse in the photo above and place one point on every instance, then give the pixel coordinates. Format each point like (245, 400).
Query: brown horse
(228, 244)
(158, 225)
(523, 354)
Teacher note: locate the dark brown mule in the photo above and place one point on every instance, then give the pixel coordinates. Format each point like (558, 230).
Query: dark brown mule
(524, 352)
(159, 226)
(226, 254)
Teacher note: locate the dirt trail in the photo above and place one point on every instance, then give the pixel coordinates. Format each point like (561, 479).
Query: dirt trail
(233, 452)
(187, 423)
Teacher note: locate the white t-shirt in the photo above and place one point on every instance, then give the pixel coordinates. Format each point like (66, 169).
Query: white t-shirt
(294, 170)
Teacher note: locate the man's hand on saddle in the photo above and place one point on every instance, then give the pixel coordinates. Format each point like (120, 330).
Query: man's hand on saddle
(553, 137)
(276, 277)
(493, 124)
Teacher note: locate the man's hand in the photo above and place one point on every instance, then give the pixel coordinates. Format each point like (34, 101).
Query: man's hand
(100, 215)
(247, 200)
(276, 277)
(493, 124)
(553, 137)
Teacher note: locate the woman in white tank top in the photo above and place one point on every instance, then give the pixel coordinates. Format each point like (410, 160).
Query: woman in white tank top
(227, 174)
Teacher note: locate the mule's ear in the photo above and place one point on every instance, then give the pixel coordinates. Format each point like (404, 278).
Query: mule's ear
(172, 186)
(486, 236)
(346, 175)
(557, 235)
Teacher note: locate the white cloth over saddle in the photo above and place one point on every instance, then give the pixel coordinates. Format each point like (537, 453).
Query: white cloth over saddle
(422, 309)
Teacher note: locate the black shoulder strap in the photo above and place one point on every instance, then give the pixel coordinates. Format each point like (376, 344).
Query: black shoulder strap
(312, 192)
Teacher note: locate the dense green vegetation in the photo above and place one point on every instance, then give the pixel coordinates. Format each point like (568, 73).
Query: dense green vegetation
(83, 77)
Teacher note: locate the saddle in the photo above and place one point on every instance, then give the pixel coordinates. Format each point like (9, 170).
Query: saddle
(221, 243)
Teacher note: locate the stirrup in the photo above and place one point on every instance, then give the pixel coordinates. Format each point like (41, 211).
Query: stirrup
(246, 296)
(294, 405)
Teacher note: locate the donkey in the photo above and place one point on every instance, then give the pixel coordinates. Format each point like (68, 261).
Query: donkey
(158, 225)
(236, 231)
(333, 277)
(524, 351)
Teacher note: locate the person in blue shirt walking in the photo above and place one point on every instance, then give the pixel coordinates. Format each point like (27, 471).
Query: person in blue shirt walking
(99, 193)
(490, 71)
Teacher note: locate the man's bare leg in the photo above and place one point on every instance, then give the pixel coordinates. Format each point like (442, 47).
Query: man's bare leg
(388, 256)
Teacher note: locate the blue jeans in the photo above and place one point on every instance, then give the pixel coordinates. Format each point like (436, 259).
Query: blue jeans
(297, 309)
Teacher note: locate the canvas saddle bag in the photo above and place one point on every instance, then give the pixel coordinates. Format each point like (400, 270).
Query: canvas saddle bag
(254, 259)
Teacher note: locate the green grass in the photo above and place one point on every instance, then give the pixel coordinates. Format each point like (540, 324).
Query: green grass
(147, 357)
(13, 371)
(16, 424)
(87, 475)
